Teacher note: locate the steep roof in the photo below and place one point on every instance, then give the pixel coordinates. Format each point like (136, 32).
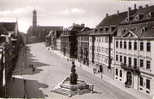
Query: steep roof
(9, 26)
(148, 33)
(54, 28)
(114, 19)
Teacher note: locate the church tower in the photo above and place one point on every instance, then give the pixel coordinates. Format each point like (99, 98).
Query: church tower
(34, 19)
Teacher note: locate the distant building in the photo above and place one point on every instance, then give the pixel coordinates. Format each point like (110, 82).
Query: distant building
(69, 40)
(83, 45)
(38, 33)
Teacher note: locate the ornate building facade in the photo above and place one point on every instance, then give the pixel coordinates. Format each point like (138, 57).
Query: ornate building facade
(133, 50)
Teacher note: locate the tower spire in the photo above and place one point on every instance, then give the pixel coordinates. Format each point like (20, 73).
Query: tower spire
(34, 18)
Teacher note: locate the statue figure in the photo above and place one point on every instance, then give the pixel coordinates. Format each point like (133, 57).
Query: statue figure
(73, 75)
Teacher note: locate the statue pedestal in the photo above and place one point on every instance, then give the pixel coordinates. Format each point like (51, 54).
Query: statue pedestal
(68, 89)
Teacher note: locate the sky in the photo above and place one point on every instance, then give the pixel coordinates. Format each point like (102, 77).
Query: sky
(63, 12)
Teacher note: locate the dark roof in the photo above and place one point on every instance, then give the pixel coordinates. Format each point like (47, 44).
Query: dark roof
(54, 28)
(144, 11)
(9, 26)
(45, 29)
(148, 33)
(76, 28)
(85, 31)
(2, 30)
(114, 19)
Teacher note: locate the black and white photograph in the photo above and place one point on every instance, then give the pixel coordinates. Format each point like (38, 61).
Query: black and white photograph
(76, 49)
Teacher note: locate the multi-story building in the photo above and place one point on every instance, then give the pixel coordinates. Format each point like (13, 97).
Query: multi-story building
(133, 50)
(9, 48)
(83, 45)
(101, 43)
(69, 40)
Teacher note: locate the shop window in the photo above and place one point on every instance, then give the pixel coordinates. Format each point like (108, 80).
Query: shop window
(147, 83)
(120, 73)
(117, 72)
(141, 81)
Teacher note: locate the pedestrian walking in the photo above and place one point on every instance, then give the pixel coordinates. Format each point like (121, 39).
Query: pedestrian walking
(94, 71)
(33, 68)
(101, 71)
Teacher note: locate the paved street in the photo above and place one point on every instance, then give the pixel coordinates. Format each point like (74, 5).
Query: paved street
(51, 70)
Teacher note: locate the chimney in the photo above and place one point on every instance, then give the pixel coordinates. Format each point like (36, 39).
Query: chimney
(82, 25)
(140, 7)
(118, 12)
(146, 6)
(135, 7)
(128, 15)
(107, 14)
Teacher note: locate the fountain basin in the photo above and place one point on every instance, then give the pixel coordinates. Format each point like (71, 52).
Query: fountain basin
(79, 86)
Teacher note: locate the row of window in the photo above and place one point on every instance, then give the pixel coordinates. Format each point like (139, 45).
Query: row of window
(120, 72)
(83, 38)
(135, 47)
(123, 59)
(102, 58)
(105, 29)
(147, 83)
(102, 49)
(102, 39)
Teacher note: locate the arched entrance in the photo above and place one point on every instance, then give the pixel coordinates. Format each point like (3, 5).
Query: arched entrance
(128, 82)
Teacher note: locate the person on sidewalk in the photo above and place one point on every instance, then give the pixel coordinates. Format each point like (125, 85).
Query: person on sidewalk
(101, 71)
(33, 68)
(94, 71)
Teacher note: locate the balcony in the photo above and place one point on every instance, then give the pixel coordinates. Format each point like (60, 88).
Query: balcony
(134, 69)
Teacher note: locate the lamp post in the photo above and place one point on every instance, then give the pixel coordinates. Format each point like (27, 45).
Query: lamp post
(4, 76)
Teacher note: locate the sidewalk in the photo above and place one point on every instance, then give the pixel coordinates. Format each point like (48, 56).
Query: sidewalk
(115, 83)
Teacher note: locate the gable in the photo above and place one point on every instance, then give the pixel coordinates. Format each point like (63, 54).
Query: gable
(130, 34)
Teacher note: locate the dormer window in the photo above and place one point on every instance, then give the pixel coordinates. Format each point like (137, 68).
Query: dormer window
(141, 16)
(95, 30)
(151, 14)
(112, 28)
(101, 29)
(144, 29)
(131, 18)
(106, 29)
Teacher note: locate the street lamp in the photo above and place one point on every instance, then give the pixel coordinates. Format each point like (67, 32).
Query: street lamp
(4, 78)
